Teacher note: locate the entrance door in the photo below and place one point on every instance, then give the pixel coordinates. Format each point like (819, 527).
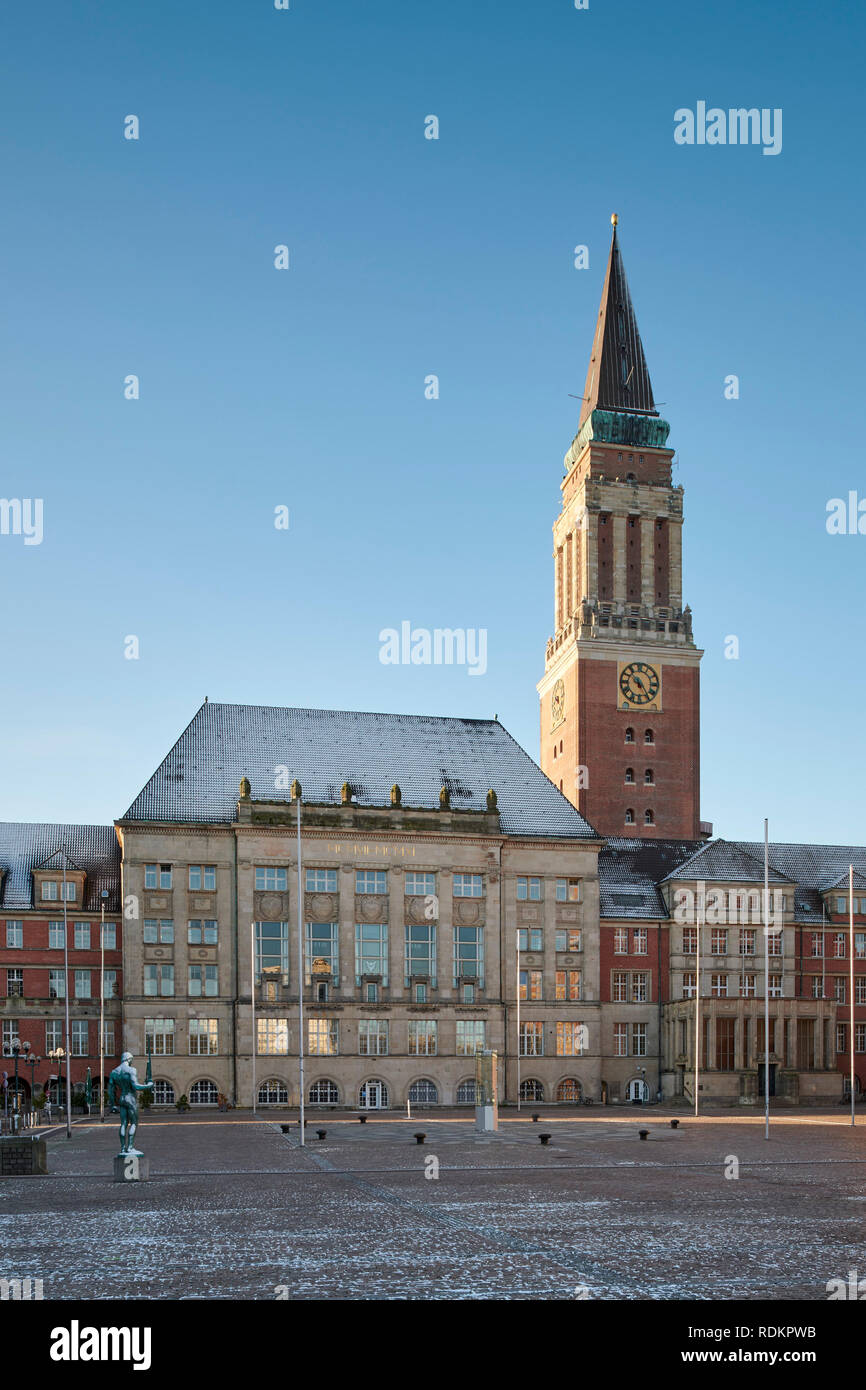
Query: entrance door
(373, 1095)
(761, 1075)
(638, 1090)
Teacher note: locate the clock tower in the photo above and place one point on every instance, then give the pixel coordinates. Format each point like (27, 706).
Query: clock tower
(620, 701)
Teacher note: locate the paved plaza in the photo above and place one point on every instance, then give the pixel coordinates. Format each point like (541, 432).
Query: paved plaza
(235, 1209)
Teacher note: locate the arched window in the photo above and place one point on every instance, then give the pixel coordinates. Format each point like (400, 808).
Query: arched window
(466, 1092)
(629, 816)
(560, 785)
(163, 1093)
(374, 1095)
(324, 1093)
(629, 774)
(273, 1093)
(531, 1090)
(629, 735)
(648, 777)
(649, 736)
(554, 753)
(203, 1093)
(560, 745)
(648, 818)
(568, 1090)
(423, 1093)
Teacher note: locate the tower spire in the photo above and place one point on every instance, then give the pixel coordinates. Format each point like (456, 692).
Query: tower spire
(617, 378)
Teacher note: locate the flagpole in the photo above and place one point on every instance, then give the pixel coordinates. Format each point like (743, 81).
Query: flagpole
(102, 1012)
(517, 939)
(66, 1001)
(253, 1003)
(766, 978)
(300, 975)
(851, 973)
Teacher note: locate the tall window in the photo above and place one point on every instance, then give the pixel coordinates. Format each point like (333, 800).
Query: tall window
(639, 987)
(422, 1037)
(202, 931)
(690, 941)
(57, 984)
(82, 984)
(373, 1037)
(620, 1040)
(56, 936)
(531, 1039)
(202, 878)
(371, 950)
(817, 944)
(747, 986)
(203, 980)
(775, 987)
(159, 979)
(14, 935)
(620, 941)
(719, 986)
(570, 1039)
(620, 987)
(272, 1037)
(204, 1037)
(323, 1037)
(530, 984)
(639, 941)
(719, 941)
(271, 879)
(530, 939)
(108, 1043)
(321, 880)
(157, 876)
(468, 954)
(747, 941)
(53, 1034)
(567, 984)
(322, 950)
(15, 982)
(529, 890)
(81, 936)
(468, 886)
(725, 1035)
(109, 936)
(158, 930)
(78, 1043)
(638, 1040)
(420, 950)
(774, 939)
(690, 984)
(371, 881)
(470, 1036)
(159, 1036)
(272, 947)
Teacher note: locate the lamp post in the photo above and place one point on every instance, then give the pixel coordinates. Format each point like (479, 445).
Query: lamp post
(18, 1049)
(33, 1063)
(104, 898)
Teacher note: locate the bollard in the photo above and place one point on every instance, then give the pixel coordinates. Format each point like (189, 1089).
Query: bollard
(420, 1137)
(643, 1133)
(320, 1133)
(287, 1129)
(545, 1138)
(535, 1119)
(363, 1119)
(675, 1124)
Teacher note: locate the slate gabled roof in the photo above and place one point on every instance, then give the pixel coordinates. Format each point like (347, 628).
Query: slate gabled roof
(198, 780)
(25, 846)
(630, 870)
(723, 861)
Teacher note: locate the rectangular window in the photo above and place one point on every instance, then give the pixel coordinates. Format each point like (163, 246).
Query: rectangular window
(271, 879)
(57, 984)
(202, 931)
(14, 935)
(775, 990)
(747, 986)
(371, 993)
(620, 941)
(56, 936)
(530, 984)
(159, 1036)
(371, 881)
(531, 1039)
(82, 984)
(272, 1037)
(202, 878)
(841, 905)
(468, 954)
(467, 994)
(109, 936)
(204, 1036)
(774, 940)
(203, 980)
(690, 941)
(568, 890)
(322, 951)
(690, 984)
(49, 891)
(373, 1037)
(158, 931)
(640, 987)
(718, 986)
(323, 1037)
(78, 1038)
(859, 945)
(719, 941)
(420, 994)
(53, 1034)
(157, 876)
(620, 1040)
(68, 892)
(468, 886)
(15, 982)
(570, 1039)
(860, 1037)
(470, 1037)
(620, 987)
(529, 890)
(371, 950)
(159, 979)
(840, 989)
(108, 1044)
(817, 944)
(422, 1037)
(421, 950)
(725, 1034)
(321, 880)
(839, 945)
(860, 989)
(530, 939)
(568, 939)
(841, 1038)
(567, 984)
(272, 949)
(638, 1040)
(419, 885)
(747, 941)
(81, 936)
(639, 941)
(817, 987)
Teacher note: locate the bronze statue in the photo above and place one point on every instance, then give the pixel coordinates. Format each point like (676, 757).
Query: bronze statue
(122, 1086)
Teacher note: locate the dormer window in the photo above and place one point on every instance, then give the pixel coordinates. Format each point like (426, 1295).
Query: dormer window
(51, 891)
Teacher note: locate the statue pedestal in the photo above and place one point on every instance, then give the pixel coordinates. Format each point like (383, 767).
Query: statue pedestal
(131, 1168)
(486, 1118)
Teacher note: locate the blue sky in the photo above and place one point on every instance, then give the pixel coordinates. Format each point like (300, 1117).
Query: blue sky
(412, 257)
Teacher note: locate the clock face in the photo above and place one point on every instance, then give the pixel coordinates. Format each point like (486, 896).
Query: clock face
(557, 702)
(639, 683)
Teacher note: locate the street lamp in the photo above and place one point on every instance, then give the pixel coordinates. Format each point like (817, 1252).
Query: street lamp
(16, 1048)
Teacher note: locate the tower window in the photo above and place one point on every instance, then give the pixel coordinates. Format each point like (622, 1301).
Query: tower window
(554, 751)
(648, 777)
(640, 458)
(629, 817)
(648, 736)
(629, 735)
(648, 818)
(629, 774)
(631, 518)
(560, 745)
(630, 478)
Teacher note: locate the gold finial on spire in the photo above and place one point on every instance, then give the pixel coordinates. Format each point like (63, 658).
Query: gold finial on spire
(614, 218)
